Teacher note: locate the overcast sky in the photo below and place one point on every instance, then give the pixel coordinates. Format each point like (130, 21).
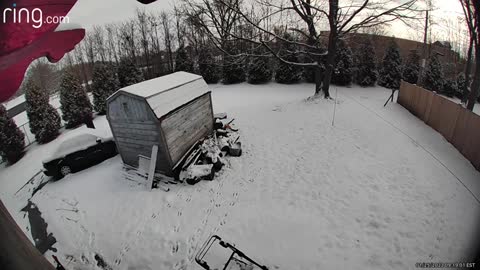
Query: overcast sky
(95, 12)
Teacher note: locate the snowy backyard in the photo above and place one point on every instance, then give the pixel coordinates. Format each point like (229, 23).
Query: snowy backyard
(378, 190)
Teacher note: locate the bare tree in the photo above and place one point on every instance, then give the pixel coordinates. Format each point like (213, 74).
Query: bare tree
(144, 29)
(167, 35)
(127, 35)
(154, 22)
(471, 10)
(98, 39)
(45, 75)
(218, 16)
(111, 30)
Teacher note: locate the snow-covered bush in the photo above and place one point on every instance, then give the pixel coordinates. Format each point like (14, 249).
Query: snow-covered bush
(183, 61)
(411, 69)
(259, 70)
(391, 69)
(366, 68)
(286, 72)
(434, 77)
(129, 73)
(450, 88)
(44, 119)
(75, 104)
(343, 72)
(233, 66)
(207, 66)
(12, 140)
(104, 83)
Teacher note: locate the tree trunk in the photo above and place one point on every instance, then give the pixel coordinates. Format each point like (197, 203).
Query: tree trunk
(318, 79)
(472, 99)
(330, 65)
(468, 70)
(332, 46)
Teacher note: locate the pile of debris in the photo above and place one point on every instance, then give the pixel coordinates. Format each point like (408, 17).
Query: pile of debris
(208, 156)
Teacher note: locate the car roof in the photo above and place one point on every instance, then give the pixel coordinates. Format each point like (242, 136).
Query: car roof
(72, 145)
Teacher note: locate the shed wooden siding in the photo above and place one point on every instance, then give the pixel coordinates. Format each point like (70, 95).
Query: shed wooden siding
(186, 125)
(136, 129)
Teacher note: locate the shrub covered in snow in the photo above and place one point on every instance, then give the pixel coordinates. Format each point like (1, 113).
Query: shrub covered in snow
(104, 83)
(391, 69)
(129, 73)
(259, 70)
(343, 72)
(44, 119)
(450, 87)
(461, 81)
(12, 140)
(366, 68)
(207, 66)
(285, 72)
(233, 66)
(75, 104)
(183, 61)
(411, 69)
(434, 77)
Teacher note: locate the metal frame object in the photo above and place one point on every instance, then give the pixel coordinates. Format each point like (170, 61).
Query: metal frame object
(211, 241)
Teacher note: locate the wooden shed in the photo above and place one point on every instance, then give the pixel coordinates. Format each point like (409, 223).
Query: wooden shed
(173, 112)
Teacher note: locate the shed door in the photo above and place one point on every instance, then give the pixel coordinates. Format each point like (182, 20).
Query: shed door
(187, 125)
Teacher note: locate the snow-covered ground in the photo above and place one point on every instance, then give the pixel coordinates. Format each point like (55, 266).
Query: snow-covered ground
(378, 190)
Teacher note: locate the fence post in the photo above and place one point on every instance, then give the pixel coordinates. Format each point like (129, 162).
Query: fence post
(26, 135)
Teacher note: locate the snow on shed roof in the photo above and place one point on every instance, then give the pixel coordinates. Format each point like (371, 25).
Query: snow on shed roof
(166, 93)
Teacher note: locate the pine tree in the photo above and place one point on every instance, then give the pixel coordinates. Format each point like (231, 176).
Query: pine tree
(233, 66)
(343, 73)
(259, 70)
(391, 70)
(366, 68)
(411, 70)
(461, 81)
(450, 87)
(288, 73)
(129, 73)
(183, 61)
(44, 119)
(104, 84)
(12, 140)
(207, 66)
(75, 104)
(433, 80)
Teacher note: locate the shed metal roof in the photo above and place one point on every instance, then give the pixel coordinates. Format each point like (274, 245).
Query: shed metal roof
(166, 93)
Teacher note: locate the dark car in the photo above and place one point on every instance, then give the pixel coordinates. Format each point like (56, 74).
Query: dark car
(78, 153)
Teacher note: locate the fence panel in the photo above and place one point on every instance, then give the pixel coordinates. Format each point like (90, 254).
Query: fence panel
(471, 148)
(458, 125)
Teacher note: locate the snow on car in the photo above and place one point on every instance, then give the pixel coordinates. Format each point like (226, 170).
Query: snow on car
(77, 153)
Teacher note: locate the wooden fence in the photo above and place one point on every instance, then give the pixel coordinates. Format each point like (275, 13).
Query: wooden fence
(458, 125)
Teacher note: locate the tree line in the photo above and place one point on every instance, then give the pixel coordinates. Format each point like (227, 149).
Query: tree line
(223, 42)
